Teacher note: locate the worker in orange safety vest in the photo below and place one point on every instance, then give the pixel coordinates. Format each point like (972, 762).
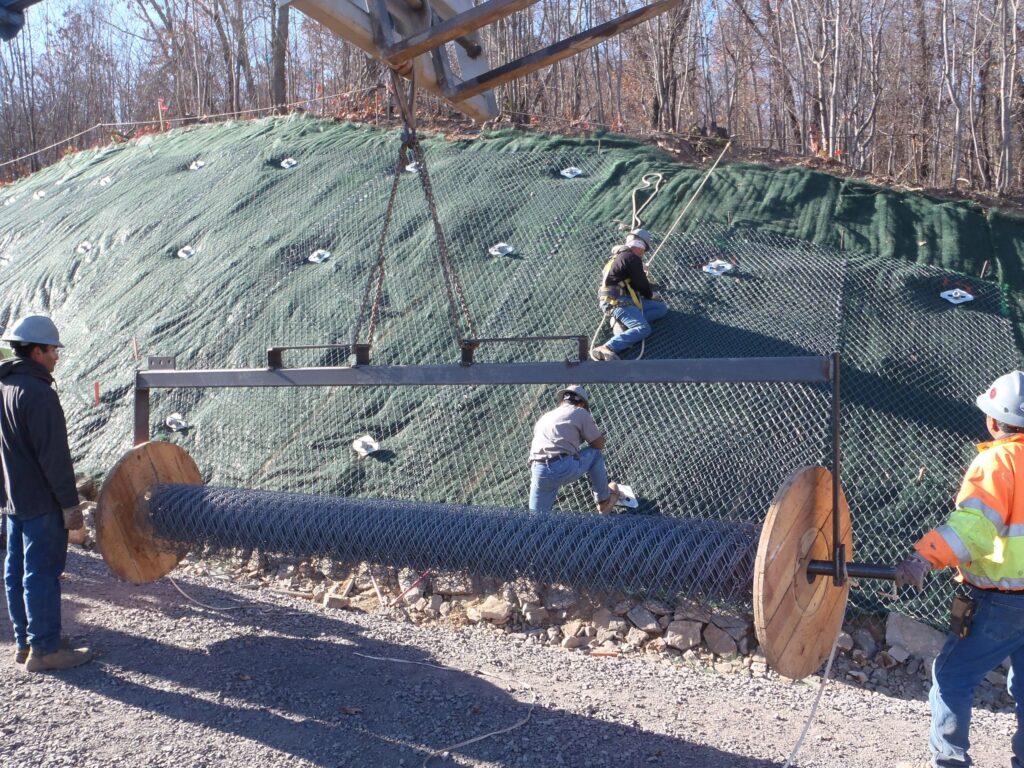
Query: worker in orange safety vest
(984, 540)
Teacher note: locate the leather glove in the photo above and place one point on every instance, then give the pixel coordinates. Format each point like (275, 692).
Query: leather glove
(73, 517)
(912, 572)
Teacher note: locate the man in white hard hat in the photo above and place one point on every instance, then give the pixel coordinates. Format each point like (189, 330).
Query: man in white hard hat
(40, 493)
(626, 296)
(556, 455)
(984, 540)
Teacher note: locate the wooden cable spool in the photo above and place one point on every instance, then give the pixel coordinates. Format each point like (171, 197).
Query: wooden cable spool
(124, 535)
(796, 618)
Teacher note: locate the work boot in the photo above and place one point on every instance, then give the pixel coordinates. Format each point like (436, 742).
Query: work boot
(65, 658)
(606, 506)
(21, 655)
(602, 353)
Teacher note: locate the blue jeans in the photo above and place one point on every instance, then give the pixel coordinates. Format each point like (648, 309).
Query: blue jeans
(996, 633)
(638, 324)
(37, 551)
(546, 479)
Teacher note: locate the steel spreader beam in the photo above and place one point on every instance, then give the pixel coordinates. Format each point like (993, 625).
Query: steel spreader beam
(810, 369)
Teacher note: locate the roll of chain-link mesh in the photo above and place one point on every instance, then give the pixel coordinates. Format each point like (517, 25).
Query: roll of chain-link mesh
(632, 553)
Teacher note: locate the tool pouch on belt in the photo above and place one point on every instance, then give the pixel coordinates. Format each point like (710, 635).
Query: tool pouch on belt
(609, 295)
(961, 615)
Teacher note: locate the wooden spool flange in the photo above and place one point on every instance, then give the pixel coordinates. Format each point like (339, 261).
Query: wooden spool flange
(796, 618)
(124, 535)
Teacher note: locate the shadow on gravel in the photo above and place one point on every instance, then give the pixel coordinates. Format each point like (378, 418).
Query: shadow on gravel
(291, 680)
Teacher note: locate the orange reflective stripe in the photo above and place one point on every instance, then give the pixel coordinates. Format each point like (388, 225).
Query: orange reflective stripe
(936, 550)
(1013, 585)
(959, 545)
(990, 514)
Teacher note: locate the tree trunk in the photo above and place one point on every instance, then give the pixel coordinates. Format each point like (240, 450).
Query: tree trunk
(279, 51)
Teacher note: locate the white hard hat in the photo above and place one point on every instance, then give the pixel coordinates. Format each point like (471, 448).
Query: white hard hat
(644, 235)
(574, 389)
(1004, 400)
(34, 329)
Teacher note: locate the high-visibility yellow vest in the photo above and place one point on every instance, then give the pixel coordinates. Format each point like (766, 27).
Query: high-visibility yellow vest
(612, 294)
(984, 537)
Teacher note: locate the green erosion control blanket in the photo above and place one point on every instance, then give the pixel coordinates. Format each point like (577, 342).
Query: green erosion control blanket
(198, 243)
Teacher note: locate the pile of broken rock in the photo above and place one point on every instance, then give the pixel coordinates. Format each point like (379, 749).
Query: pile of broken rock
(891, 657)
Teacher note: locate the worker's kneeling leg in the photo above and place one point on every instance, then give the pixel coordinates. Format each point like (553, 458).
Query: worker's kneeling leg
(592, 461)
(654, 310)
(546, 479)
(542, 490)
(637, 328)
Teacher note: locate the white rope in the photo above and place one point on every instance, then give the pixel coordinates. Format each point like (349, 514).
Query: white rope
(449, 748)
(597, 331)
(191, 599)
(645, 183)
(814, 707)
(689, 203)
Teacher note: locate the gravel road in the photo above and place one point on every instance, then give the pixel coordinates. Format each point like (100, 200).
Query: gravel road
(276, 681)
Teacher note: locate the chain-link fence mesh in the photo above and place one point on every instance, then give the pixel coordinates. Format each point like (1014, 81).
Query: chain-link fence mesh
(105, 251)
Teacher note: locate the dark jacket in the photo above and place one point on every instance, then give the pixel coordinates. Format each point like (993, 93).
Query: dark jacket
(627, 265)
(38, 475)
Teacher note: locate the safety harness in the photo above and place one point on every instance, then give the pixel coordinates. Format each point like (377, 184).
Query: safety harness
(611, 295)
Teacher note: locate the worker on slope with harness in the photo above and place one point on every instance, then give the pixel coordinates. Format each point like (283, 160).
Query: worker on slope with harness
(627, 297)
(984, 540)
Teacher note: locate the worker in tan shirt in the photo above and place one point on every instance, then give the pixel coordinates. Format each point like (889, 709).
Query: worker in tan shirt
(556, 456)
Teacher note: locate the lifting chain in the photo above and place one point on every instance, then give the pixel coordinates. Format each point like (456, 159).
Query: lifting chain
(457, 304)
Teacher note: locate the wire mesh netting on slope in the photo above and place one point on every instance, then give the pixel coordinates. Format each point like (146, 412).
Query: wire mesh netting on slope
(200, 243)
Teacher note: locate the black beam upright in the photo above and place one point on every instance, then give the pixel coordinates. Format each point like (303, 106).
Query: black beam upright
(838, 549)
(141, 417)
